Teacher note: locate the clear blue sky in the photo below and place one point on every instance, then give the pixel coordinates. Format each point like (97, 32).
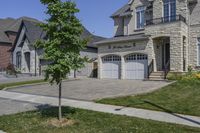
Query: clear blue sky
(94, 14)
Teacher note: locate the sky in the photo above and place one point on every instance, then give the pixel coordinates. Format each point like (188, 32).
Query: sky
(94, 14)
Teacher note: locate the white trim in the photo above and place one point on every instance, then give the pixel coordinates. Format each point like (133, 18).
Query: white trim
(136, 11)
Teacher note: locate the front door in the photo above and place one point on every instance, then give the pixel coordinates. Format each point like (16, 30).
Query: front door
(165, 54)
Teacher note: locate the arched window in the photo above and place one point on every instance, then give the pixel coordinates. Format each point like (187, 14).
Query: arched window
(18, 60)
(169, 10)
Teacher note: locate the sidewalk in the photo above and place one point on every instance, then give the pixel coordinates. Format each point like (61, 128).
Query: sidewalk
(118, 110)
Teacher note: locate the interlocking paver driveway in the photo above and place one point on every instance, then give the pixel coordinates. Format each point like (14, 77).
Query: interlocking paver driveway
(90, 89)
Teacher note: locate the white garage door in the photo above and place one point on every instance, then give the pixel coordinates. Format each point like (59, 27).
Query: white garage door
(111, 67)
(136, 66)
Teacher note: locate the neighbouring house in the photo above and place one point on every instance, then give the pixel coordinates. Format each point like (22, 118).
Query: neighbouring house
(29, 60)
(8, 32)
(151, 38)
(7, 38)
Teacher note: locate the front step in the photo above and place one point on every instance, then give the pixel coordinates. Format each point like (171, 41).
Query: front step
(158, 76)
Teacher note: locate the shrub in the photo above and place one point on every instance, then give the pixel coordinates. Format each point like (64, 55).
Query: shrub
(198, 75)
(11, 70)
(174, 76)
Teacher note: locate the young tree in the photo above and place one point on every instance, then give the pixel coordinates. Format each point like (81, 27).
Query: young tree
(63, 44)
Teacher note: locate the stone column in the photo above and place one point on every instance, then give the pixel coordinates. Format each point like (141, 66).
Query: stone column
(122, 68)
(99, 67)
(176, 53)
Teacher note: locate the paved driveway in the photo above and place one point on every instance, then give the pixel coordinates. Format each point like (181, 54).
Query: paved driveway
(90, 89)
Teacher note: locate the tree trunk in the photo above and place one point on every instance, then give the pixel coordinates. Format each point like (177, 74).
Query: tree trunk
(60, 106)
(75, 74)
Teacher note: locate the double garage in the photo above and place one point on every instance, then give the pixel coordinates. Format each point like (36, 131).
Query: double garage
(132, 66)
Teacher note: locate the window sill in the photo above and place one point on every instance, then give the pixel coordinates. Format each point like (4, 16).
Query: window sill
(137, 30)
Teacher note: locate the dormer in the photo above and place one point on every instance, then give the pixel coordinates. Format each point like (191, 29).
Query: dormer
(121, 20)
(131, 18)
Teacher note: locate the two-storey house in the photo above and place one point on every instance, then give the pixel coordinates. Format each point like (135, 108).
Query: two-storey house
(151, 37)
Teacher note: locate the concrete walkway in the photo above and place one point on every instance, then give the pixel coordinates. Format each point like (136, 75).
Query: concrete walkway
(20, 79)
(119, 110)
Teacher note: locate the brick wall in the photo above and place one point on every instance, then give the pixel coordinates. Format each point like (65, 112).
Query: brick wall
(5, 56)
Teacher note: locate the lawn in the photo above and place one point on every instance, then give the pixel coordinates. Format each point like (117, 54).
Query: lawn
(86, 122)
(181, 97)
(2, 86)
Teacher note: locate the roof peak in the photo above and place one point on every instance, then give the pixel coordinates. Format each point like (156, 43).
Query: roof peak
(130, 2)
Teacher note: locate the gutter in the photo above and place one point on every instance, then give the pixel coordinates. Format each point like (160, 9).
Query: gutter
(117, 41)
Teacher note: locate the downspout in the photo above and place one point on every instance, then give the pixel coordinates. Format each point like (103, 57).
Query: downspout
(189, 23)
(35, 63)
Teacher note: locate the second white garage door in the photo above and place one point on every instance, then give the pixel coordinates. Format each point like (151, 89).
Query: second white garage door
(136, 66)
(111, 67)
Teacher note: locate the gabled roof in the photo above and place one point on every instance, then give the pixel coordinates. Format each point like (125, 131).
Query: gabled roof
(15, 26)
(34, 32)
(10, 25)
(125, 10)
(4, 24)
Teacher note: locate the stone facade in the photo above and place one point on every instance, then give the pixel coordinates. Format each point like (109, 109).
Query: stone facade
(181, 35)
(24, 48)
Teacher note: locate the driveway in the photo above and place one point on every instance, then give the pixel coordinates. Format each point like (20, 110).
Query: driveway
(91, 89)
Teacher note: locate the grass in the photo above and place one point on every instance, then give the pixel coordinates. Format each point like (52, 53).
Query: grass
(181, 97)
(86, 122)
(2, 86)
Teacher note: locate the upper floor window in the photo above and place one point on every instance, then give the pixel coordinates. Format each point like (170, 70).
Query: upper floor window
(169, 10)
(198, 46)
(140, 17)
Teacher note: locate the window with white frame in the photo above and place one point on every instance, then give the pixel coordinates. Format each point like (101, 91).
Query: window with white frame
(140, 11)
(169, 10)
(198, 46)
